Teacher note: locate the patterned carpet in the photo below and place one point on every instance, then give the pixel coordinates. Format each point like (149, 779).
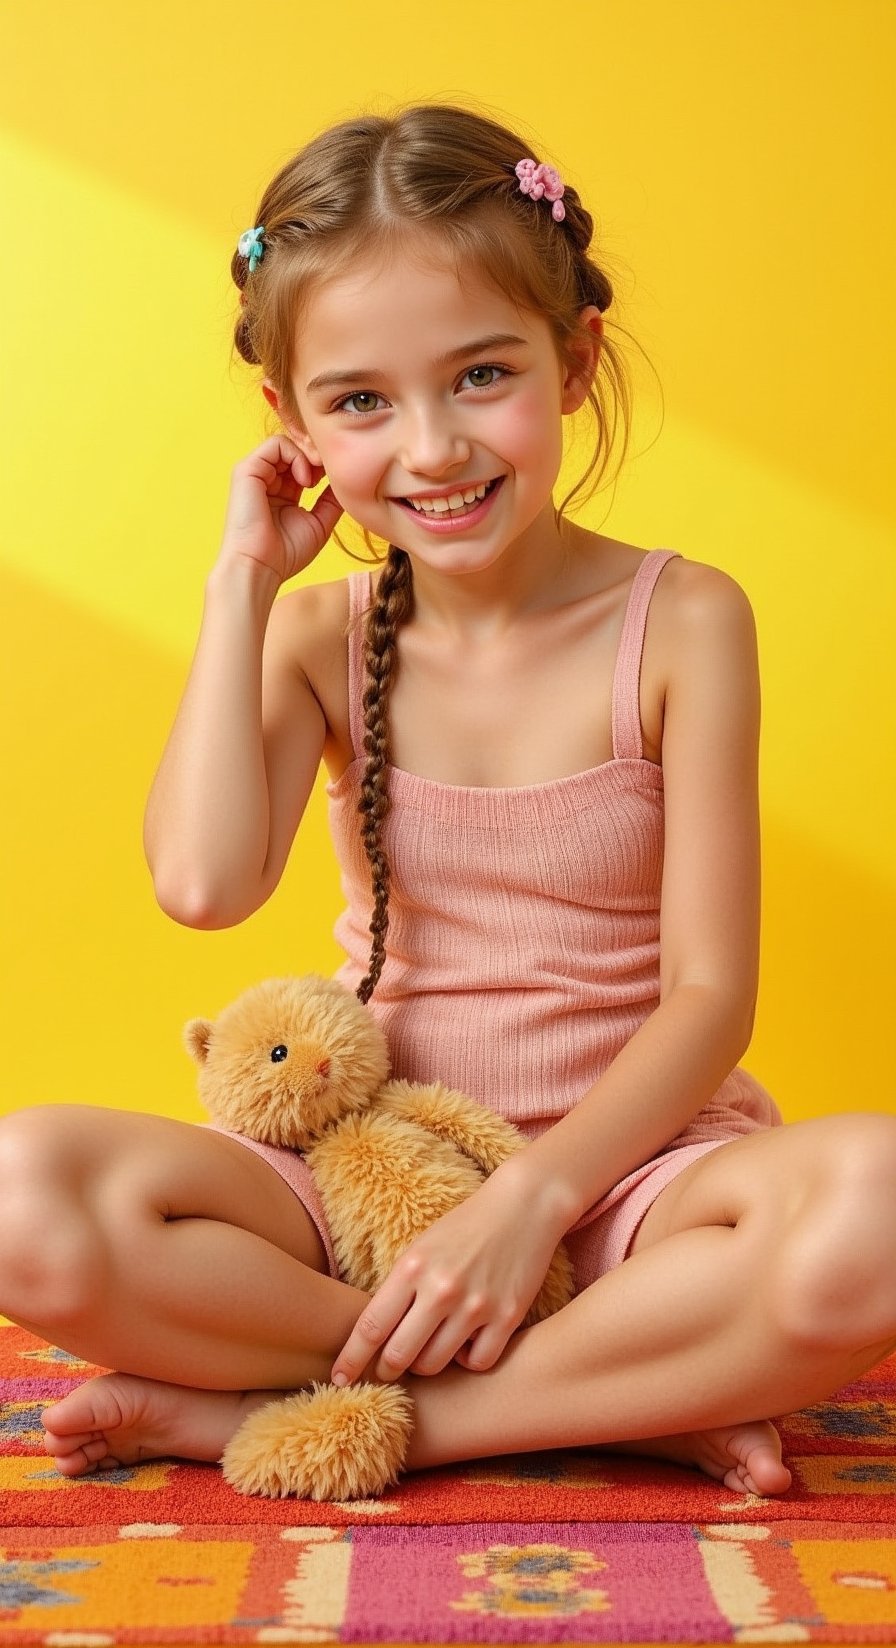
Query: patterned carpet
(561, 1547)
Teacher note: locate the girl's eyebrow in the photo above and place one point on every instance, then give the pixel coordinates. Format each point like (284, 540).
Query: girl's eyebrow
(366, 374)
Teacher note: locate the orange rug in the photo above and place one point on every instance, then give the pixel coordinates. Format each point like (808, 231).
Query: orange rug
(552, 1547)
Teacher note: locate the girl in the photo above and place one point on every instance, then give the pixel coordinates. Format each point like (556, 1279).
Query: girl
(542, 747)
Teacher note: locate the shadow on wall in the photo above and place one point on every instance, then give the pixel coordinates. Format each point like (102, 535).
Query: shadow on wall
(99, 982)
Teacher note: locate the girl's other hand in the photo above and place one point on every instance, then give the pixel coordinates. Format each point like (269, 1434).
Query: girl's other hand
(264, 522)
(458, 1292)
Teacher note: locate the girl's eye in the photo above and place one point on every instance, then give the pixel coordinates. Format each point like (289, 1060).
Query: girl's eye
(475, 374)
(481, 377)
(359, 395)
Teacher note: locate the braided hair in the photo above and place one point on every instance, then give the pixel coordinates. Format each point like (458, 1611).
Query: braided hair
(392, 606)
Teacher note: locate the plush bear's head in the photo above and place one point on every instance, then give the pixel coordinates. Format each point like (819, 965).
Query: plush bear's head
(286, 1058)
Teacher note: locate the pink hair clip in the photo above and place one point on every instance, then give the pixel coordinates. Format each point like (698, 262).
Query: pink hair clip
(538, 180)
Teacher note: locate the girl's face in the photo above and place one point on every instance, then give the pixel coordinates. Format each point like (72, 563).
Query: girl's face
(412, 386)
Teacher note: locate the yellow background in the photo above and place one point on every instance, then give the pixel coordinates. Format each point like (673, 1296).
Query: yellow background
(738, 159)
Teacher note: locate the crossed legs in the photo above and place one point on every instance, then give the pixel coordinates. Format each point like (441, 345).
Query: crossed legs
(760, 1281)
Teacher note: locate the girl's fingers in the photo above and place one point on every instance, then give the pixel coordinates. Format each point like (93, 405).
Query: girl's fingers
(306, 472)
(280, 456)
(380, 1316)
(307, 530)
(426, 1340)
(487, 1348)
(446, 1345)
(327, 509)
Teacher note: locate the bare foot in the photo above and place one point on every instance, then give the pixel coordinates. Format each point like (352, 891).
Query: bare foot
(118, 1419)
(747, 1458)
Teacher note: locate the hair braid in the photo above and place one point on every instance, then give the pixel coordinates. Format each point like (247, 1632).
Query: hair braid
(392, 606)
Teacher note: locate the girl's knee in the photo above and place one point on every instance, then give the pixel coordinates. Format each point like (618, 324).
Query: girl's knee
(49, 1255)
(869, 1146)
(833, 1282)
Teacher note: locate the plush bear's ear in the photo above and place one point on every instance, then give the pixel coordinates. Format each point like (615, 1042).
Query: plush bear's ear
(197, 1038)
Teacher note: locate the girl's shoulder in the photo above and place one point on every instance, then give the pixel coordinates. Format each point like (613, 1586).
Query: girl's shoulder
(700, 637)
(693, 599)
(308, 624)
(689, 598)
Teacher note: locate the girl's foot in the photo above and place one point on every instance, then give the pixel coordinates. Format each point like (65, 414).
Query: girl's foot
(118, 1419)
(747, 1458)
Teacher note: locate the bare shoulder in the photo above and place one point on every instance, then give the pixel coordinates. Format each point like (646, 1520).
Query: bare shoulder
(308, 623)
(700, 643)
(694, 610)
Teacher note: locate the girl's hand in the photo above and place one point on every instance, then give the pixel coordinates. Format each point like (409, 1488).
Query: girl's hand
(264, 522)
(458, 1292)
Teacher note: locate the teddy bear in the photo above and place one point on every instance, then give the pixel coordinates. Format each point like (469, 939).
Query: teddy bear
(301, 1062)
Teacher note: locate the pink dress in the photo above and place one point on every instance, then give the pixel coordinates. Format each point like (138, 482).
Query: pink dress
(523, 944)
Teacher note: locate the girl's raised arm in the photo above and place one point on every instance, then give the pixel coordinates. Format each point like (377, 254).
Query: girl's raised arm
(248, 737)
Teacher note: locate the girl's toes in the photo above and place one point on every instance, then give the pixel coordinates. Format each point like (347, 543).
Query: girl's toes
(90, 1456)
(759, 1468)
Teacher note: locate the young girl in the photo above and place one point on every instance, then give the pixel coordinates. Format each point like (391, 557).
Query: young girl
(542, 747)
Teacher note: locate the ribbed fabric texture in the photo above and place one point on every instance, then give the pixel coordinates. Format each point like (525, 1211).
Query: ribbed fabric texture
(523, 943)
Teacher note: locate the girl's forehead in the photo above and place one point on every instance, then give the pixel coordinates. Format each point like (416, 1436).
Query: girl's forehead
(401, 295)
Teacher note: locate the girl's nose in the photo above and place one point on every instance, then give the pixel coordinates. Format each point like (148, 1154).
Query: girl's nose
(432, 445)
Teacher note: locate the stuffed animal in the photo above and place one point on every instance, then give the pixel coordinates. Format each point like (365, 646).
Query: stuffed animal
(300, 1062)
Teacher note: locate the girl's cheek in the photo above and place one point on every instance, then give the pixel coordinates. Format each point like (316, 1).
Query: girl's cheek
(526, 439)
(351, 464)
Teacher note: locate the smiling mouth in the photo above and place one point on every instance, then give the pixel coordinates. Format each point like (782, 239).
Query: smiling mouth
(461, 502)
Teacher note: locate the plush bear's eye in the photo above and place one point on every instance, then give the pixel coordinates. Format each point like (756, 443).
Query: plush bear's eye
(278, 1054)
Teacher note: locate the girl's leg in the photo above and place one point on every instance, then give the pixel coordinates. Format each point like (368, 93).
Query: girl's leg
(165, 1250)
(761, 1281)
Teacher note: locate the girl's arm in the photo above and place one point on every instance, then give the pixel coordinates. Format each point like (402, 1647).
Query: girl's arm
(477, 1270)
(247, 740)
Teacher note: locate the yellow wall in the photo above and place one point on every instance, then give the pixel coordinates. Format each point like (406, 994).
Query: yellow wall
(736, 156)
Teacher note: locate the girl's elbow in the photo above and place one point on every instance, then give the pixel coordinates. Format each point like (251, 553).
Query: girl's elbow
(740, 1016)
(733, 1012)
(193, 905)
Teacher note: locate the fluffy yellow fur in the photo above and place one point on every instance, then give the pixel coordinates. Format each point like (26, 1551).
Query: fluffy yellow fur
(322, 1444)
(288, 1100)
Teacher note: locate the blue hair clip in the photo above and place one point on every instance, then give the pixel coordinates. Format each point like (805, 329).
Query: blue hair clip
(251, 245)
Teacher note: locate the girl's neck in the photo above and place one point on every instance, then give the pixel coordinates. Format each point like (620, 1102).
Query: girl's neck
(538, 571)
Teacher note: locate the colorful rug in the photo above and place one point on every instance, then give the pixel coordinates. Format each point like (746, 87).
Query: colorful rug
(569, 1546)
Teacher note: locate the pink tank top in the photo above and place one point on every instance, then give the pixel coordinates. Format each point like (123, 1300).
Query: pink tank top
(523, 946)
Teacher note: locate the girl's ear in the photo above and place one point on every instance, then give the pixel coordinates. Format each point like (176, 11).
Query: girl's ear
(294, 431)
(585, 349)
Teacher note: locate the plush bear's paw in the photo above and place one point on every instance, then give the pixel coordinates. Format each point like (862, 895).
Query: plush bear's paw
(326, 1443)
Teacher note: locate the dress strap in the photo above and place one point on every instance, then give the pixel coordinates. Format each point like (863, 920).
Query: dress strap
(360, 597)
(627, 739)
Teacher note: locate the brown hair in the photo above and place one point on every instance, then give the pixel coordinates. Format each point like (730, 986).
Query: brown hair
(357, 189)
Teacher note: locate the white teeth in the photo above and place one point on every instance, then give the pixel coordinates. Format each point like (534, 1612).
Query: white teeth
(455, 500)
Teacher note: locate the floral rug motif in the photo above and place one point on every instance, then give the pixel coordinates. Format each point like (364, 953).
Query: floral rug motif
(568, 1546)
